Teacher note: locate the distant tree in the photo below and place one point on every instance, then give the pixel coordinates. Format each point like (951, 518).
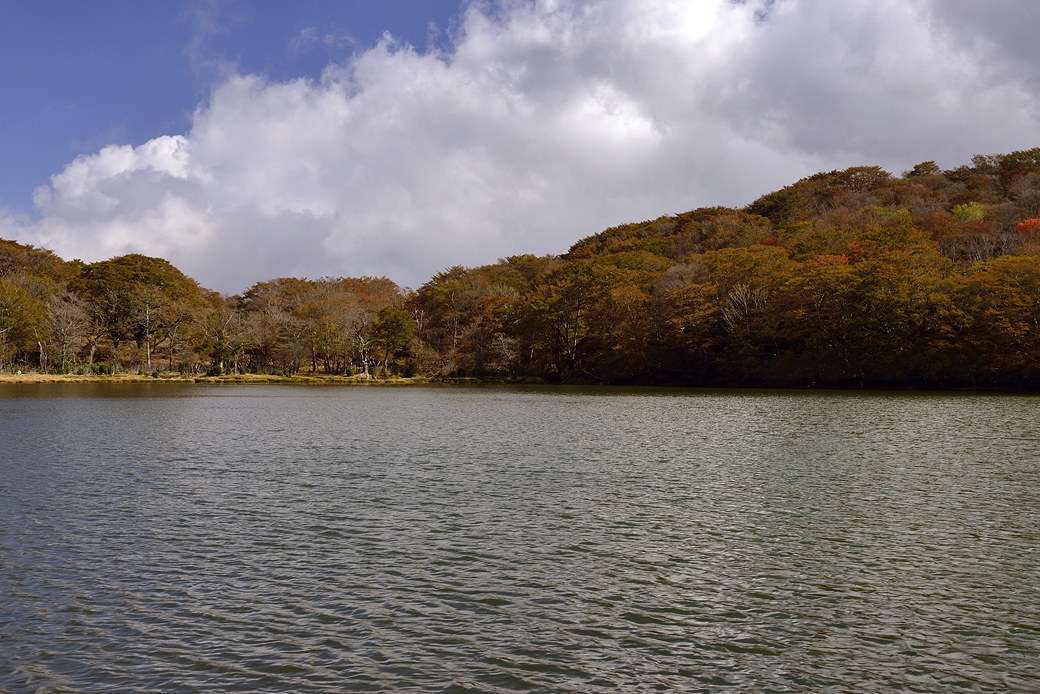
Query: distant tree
(443, 299)
(562, 306)
(1003, 297)
(782, 207)
(218, 332)
(1027, 226)
(1026, 161)
(150, 309)
(392, 330)
(23, 316)
(20, 258)
(969, 212)
(125, 292)
(927, 168)
(68, 322)
(274, 331)
(370, 294)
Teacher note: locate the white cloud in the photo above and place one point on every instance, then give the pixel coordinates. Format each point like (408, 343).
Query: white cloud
(310, 36)
(545, 122)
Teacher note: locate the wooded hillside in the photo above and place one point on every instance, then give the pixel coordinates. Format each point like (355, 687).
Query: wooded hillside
(853, 278)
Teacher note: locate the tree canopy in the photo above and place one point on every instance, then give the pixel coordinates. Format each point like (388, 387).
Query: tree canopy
(846, 278)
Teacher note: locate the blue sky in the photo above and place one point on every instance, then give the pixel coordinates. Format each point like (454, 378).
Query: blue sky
(245, 141)
(79, 75)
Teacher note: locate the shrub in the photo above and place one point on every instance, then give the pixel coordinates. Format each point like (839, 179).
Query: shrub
(1027, 226)
(969, 212)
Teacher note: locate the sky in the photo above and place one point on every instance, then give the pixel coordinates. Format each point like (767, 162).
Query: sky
(249, 140)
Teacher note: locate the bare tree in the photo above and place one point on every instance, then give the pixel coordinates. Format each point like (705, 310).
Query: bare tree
(68, 321)
(149, 305)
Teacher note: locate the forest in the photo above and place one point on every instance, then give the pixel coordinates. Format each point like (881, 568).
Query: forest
(845, 279)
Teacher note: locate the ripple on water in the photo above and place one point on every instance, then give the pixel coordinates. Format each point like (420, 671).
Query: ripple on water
(278, 539)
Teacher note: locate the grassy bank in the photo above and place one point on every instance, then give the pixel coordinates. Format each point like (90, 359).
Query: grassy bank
(171, 377)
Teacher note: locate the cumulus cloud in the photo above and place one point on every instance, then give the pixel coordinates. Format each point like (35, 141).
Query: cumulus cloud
(544, 122)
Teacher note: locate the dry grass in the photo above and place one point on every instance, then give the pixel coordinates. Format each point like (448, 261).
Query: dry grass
(68, 378)
(178, 378)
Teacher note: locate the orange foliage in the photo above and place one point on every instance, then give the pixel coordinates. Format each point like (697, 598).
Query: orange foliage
(858, 251)
(1028, 226)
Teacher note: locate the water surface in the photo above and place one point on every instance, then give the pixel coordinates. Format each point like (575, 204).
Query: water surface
(194, 538)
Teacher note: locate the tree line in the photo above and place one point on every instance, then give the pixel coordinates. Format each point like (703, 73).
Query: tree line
(850, 278)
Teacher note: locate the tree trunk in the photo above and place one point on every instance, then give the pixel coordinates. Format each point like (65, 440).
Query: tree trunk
(148, 337)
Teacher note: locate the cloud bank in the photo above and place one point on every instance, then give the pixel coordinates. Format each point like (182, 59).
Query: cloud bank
(544, 122)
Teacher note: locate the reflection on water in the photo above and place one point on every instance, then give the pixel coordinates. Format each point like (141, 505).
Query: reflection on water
(161, 537)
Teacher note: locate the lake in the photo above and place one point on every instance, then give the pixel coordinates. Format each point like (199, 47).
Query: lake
(217, 538)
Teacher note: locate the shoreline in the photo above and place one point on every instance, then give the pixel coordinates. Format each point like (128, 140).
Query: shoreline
(260, 379)
(357, 380)
(231, 378)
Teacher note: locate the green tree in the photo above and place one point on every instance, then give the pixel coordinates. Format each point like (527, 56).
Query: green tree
(562, 305)
(23, 316)
(927, 168)
(1003, 298)
(969, 212)
(392, 330)
(782, 207)
(131, 298)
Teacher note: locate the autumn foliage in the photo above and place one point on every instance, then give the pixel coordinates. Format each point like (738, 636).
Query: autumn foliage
(1027, 226)
(851, 278)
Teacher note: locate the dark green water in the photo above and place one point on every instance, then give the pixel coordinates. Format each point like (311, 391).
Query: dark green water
(165, 538)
